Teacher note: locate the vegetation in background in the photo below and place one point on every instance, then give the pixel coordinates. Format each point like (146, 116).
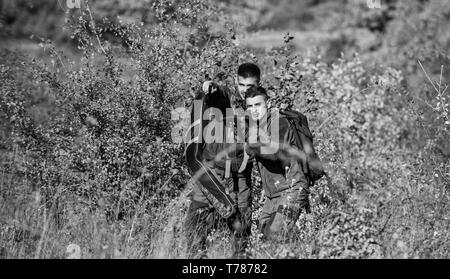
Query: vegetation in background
(87, 156)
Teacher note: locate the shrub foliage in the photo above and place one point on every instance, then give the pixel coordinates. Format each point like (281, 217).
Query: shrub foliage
(88, 155)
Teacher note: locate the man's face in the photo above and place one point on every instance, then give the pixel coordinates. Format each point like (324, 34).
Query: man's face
(245, 83)
(257, 106)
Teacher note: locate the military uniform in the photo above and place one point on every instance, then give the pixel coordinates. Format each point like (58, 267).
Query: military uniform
(284, 182)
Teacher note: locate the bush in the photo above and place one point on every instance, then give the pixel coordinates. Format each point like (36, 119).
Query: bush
(89, 159)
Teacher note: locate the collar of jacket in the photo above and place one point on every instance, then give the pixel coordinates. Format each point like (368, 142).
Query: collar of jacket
(236, 99)
(272, 115)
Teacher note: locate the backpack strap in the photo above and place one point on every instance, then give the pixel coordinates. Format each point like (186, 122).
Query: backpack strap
(299, 141)
(227, 166)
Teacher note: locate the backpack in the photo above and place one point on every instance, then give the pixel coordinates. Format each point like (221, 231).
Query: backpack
(312, 167)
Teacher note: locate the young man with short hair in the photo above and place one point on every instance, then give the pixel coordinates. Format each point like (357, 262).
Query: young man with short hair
(273, 144)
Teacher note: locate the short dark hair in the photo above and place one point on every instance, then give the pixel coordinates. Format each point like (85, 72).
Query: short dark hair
(256, 91)
(247, 70)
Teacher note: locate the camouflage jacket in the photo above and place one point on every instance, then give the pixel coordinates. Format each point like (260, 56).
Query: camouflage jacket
(279, 168)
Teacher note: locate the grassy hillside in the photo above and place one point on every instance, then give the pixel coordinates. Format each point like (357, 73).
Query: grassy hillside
(88, 165)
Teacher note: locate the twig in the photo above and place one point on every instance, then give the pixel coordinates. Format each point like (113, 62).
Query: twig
(425, 102)
(43, 233)
(135, 216)
(59, 58)
(62, 8)
(428, 77)
(165, 183)
(47, 218)
(94, 28)
(385, 224)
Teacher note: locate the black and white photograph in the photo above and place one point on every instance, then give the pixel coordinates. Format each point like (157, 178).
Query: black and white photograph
(242, 131)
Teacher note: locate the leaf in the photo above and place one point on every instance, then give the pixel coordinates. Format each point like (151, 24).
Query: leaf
(287, 38)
